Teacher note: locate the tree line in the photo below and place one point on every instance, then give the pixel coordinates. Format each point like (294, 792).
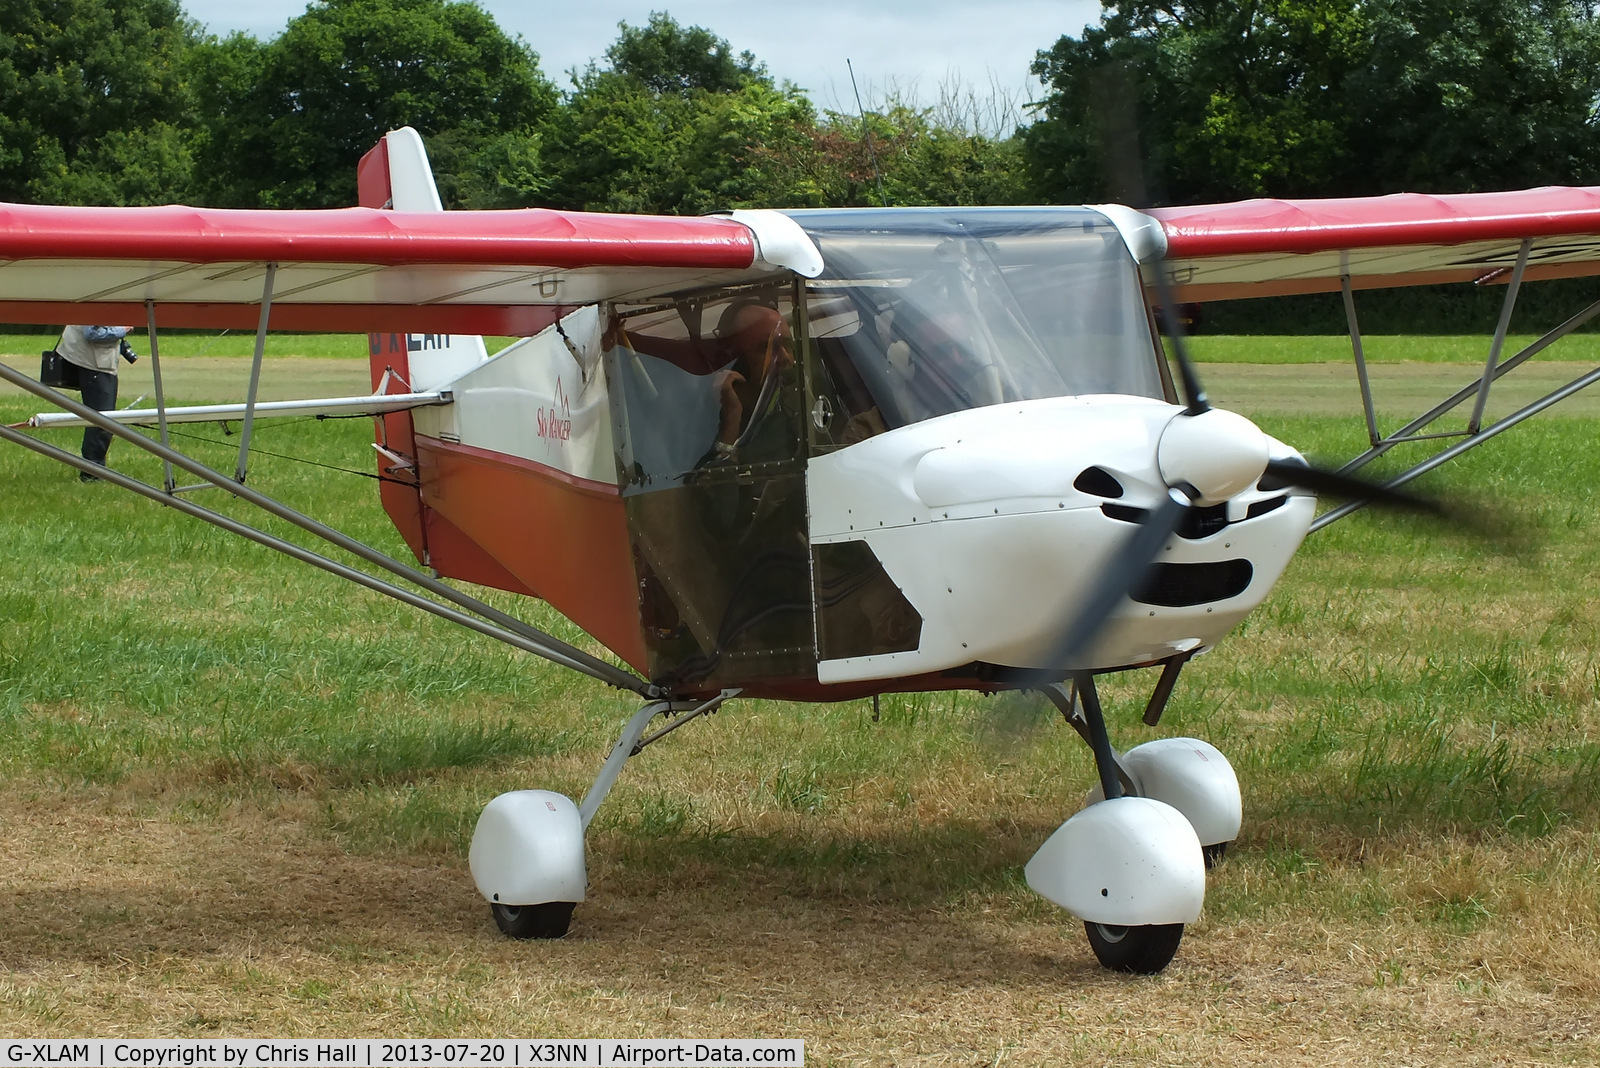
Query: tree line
(129, 102)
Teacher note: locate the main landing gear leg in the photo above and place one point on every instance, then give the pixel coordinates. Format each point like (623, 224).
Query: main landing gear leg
(527, 855)
(1130, 865)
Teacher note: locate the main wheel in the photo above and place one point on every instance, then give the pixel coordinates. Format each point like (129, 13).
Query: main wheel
(549, 920)
(1213, 854)
(1140, 950)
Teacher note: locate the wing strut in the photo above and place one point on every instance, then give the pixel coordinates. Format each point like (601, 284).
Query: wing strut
(1409, 432)
(1506, 308)
(161, 397)
(1497, 427)
(1357, 350)
(1494, 370)
(499, 625)
(255, 374)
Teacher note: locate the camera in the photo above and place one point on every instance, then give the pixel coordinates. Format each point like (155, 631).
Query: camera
(126, 351)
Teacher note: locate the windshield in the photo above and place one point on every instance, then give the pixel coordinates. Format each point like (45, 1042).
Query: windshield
(932, 311)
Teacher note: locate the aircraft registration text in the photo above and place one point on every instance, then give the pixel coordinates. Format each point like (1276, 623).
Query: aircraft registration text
(377, 1053)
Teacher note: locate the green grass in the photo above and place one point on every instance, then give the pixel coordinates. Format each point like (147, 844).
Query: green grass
(1215, 348)
(1398, 675)
(1413, 717)
(227, 343)
(1207, 348)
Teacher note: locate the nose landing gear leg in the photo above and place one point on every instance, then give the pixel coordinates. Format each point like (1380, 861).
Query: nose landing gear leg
(1130, 867)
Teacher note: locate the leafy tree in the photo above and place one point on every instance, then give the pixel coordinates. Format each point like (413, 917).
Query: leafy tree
(1238, 98)
(1474, 94)
(667, 58)
(94, 101)
(918, 159)
(285, 121)
(152, 165)
(1215, 99)
(676, 124)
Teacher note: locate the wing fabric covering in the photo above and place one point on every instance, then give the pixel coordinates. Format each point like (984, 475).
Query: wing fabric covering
(351, 270)
(1260, 248)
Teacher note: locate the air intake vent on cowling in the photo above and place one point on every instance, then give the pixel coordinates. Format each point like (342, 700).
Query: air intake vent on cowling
(1200, 522)
(1263, 507)
(1124, 513)
(1098, 482)
(1269, 482)
(1182, 585)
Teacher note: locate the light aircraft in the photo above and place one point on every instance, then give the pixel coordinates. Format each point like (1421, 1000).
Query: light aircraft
(811, 455)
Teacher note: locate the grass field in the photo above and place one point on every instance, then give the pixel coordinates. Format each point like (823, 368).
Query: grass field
(229, 344)
(1380, 349)
(1383, 348)
(236, 798)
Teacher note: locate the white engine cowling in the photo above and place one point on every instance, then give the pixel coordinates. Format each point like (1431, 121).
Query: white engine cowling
(528, 849)
(1130, 861)
(1193, 777)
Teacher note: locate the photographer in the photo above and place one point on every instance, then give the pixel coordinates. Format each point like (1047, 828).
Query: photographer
(94, 351)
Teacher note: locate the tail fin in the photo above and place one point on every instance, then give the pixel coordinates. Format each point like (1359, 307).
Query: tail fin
(395, 174)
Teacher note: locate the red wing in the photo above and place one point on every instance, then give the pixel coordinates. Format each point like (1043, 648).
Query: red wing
(352, 269)
(1262, 248)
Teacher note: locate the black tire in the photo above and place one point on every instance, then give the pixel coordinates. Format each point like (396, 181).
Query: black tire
(1213, 854)
(1140, 950)
(549, 920)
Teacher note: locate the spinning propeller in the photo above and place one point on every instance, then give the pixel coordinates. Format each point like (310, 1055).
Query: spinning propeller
(1206, 456)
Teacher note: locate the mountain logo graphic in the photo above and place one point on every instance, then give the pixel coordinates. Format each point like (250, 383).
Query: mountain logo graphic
(555, 422)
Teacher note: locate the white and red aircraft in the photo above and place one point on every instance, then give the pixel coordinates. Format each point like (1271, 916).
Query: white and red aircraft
(809, 455)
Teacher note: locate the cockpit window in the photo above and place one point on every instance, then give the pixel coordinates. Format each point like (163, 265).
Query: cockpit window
(919, 313)
(704, 385)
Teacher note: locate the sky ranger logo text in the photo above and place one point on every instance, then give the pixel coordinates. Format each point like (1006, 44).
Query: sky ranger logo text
(555, 422)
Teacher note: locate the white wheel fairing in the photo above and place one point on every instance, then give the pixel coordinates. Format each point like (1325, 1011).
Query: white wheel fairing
(528, 849)
(976, 519)
(1129, 862)
(1193, 777)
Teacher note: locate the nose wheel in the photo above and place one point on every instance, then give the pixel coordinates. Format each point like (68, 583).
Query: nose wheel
(1141, 950)
(549, 920)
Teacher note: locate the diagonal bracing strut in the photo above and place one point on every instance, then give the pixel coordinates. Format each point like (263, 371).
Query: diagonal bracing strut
(1478, 390)
(500, 625)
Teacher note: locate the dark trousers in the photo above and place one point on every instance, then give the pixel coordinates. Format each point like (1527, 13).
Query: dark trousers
(99, 390)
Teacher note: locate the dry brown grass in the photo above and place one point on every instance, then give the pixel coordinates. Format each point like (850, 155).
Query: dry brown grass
(132, 912)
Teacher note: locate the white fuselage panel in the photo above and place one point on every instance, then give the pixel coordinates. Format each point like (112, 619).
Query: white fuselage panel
(538, 400)
(975, 517)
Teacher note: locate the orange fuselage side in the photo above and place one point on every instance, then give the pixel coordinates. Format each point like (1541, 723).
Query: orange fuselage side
(510, 523)
(563, 538)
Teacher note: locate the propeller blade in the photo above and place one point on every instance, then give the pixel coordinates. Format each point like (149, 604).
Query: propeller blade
(1349, 487)
(1122, 575)
(1115, 90)
(1194, 394)
(1474, 518)
(1117, 103)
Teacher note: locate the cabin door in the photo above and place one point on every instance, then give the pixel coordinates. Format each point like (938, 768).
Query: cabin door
(709, 400)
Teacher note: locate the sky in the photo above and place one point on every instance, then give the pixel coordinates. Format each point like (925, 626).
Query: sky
(915, 46)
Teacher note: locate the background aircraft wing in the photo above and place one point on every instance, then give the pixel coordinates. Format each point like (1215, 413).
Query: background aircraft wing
(1264, 248)
(352, 270)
